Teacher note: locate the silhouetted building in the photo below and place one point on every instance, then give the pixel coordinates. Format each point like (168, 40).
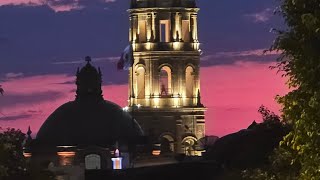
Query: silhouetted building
(84, 134)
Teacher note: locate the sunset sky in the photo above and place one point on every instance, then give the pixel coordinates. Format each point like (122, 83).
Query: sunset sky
(42, 42)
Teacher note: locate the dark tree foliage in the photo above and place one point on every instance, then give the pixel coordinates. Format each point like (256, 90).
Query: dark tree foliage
(298, 156)
(268, 116)
(13, 165)
(12, 161)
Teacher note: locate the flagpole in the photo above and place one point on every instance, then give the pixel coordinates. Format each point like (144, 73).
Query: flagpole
(132, 87)
(126, 58)
(132, 94)
(132, 104)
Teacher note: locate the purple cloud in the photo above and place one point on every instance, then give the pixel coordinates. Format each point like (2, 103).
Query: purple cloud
(261, 17)
(13, 75)
(15, 117)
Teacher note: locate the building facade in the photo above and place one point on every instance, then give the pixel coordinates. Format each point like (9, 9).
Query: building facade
(164, 81)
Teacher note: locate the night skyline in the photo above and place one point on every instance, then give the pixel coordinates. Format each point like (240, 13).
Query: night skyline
(40, 48)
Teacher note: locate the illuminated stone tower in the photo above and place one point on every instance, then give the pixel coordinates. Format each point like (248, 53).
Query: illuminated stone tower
(165, 88)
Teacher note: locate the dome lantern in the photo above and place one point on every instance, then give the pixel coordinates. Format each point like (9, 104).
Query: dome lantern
(88, 82)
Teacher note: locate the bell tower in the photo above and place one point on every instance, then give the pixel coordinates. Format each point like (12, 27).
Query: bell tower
(164, 81)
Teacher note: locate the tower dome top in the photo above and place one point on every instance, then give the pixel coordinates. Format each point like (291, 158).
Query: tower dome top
(162, 3)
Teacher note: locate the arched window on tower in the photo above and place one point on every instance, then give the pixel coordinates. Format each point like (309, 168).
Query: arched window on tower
(189, 82)
(165, 81)
(140, 77)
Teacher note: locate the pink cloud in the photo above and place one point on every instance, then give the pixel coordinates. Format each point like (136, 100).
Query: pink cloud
(20, 2)
(56, 5)
(232, 93)
(36, 84)
(33, 110)
(65, 7)
(241, 54)
(53, 5)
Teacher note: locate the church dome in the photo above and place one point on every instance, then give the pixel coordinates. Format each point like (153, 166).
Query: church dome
(89, 120)
(90, 123)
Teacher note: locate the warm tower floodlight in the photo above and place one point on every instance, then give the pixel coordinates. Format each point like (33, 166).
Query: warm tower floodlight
(165, 75)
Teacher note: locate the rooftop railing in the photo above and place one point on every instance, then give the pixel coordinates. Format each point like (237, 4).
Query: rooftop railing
(166, 46)
(162, 3)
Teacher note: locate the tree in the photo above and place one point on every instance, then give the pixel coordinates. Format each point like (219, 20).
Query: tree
(298, 156)
(12, 162)
(300, 45)
(13, 165)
